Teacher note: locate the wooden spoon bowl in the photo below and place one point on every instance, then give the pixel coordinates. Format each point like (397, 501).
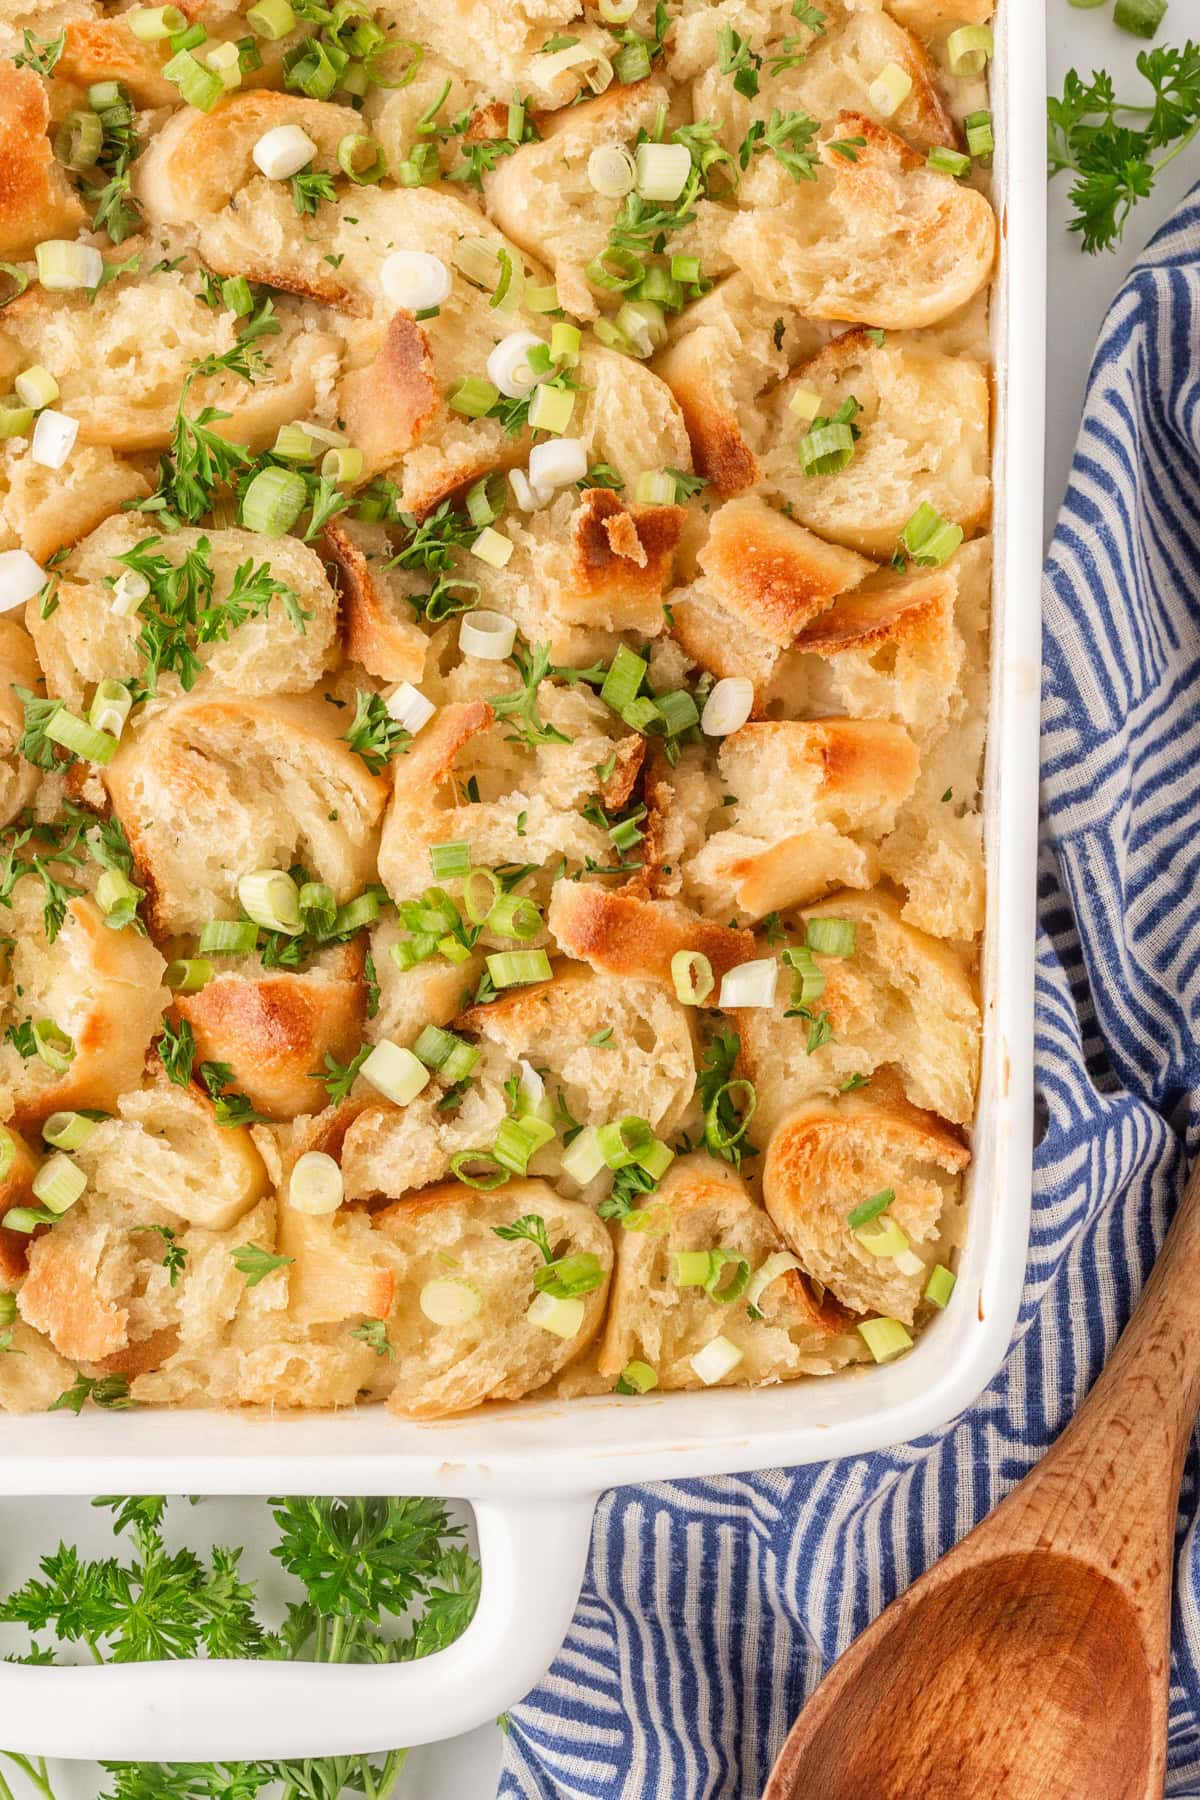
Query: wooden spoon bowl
(1031, 1662)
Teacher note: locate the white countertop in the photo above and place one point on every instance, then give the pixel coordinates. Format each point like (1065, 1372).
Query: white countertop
(1080, 290)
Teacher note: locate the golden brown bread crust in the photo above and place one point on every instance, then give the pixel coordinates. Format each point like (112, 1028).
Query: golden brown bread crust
(106, 50)
(772, 574)
(885, 608)
(380, 634)
(387, 406)
(16, 1189)
(623, 553)
(276, 1029)
(36, 199)
(61, 1296)
(626, 935)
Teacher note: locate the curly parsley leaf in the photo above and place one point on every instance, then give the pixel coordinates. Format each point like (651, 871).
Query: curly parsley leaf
(374, 734)
(339, 1077)
(255, 1263)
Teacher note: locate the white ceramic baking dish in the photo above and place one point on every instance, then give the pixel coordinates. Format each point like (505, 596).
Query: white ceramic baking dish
(533, 1471)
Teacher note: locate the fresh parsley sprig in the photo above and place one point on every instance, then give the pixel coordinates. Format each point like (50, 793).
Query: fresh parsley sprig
(1109, 145)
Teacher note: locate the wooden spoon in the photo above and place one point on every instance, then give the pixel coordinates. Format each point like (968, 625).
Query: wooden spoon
(1031, 1662)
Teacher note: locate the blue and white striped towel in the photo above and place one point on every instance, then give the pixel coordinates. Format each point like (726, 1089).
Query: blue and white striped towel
(711, 1608)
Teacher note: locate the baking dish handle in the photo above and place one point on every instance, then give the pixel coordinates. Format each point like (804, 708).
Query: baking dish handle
(532, 1555)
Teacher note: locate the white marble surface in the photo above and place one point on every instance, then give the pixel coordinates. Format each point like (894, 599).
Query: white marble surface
(1080, 289)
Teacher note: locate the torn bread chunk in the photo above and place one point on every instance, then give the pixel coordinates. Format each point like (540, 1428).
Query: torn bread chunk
(214, 787)
(883, 240)
(700, 1206)
(813, 799)
(46, 510)
(273, 625)
(831, 1156)
(36, 199)
(18, 669)
(493, 1350)
(923, 424)
(902, 998)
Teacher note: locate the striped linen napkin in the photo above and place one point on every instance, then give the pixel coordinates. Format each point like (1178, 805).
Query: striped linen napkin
(711, 1608)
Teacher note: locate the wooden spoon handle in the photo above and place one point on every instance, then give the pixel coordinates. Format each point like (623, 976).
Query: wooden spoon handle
(1107, 1481)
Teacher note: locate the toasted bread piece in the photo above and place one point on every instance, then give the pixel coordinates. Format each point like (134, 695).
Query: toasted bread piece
(542, 198)
(772, 574)
(650, 1052)
(272, 651)
(36, 199)
(529, 803)
(18, 667)
(107, 50)
(45, 509)
(924, 437)
(884, 241)
(624, 934)
(337, 1271)
(704, 1205)
(381, 632)
(903, 998)
(276, 1027)
(16, 1189)
(829, 1156)
(930, 18)
(103, 988)
(121, 360)
(508, 37)
(814, 797)
(498, 1354)
(215, 786)
(432, 993)
(390, 1150)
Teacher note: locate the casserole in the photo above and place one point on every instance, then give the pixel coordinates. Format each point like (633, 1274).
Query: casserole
(532, 1471)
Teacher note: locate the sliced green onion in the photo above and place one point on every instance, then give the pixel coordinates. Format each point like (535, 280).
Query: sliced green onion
(190, 37)
(831, 937)
(949, 162)
(889, 90)
(79, 140)
(516, 968)
(188, 975)
(129, 590)
(249, 55)
(294, 444)
(564, 344)
(655, 1158)
(678, 710)
(271, 19)
(870, 1209)
(228, 937)
(478, 1169)
(68, 1130)
(970, 46)
(515, 916)
(607, 334)
(237, 296)
(519, 1139)
(8, 1309)
(941, 1285)
(58, 1184)
(19, 280)
(152, 23)
(442, 1050)
(654, 487)
(884, 1338)
(541, 299)
(115, 891)
(622, 1140)
(885, 1239)
(636, 1378)
(36, 387)
(226, 65)
(717, 1359)
(350, 152)
(570, 1276)
(686, 269)
(318, 908)
(617, 12)
(65, 267)
(448, 1300)
(417, 949)
(102, 95)
(826, 449)
(642, 714)
(274, 501)
(662, 169)
(343, 465)
(615, 269)
(723, 1291)
(716, 1136)
(199, 86)
(551, 409)
(110, 707)
(610, 171)
(315, 1185)
(583, 1158)
(419, 167)
(473, 397)
(928, 539)
(981, 140)
(625, 675)
(805, 403)
(562, 1317)
(27, 1218)
(692, 975)
(448, 860)
(271, 898)
(16, 419)
(661, 287)
(643, 323)
(632, 62)
(485, 499)
(83, 739)
(364, 909)
(396, 1072)
(479, 893)
(808, 981)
